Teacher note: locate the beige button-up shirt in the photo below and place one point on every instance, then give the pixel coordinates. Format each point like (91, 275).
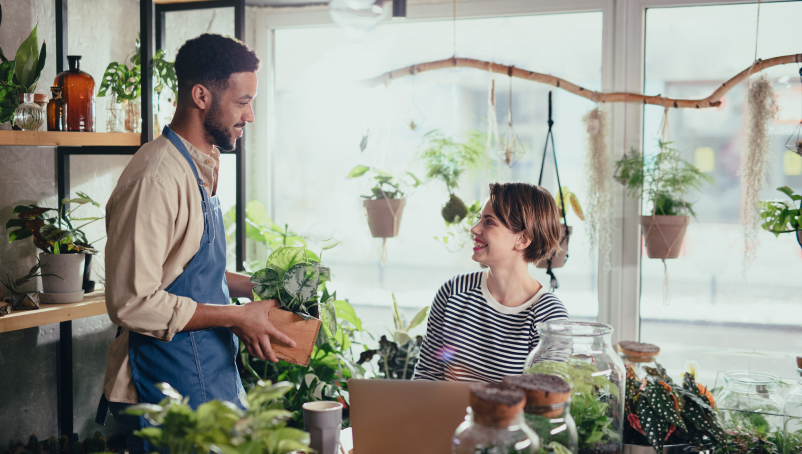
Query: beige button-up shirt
(154, 221)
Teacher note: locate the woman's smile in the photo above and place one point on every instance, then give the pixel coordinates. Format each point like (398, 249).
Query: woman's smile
(478, 244)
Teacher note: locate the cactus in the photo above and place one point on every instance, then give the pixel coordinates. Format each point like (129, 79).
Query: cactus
(77, 448)
(33, 444)
(53, 446)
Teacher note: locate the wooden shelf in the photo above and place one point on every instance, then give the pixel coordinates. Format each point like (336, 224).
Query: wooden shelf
(69, 139)
(93, 304)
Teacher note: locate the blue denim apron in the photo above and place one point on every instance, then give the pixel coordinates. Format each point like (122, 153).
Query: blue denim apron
(198, 364)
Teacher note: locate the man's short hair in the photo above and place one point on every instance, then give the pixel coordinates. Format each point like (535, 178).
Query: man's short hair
(531, 209)
(210, 60)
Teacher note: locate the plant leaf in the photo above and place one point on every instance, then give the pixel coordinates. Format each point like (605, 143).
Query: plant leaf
(26, 58)
(347, 313)
(357, 171)
(286, 257)
(268, 283)
(301, 281)
(329, 244)
(419, 318)
(328, 315)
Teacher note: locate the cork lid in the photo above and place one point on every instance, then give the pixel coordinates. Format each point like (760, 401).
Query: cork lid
(638, 351)
(496, 404)
(546, 395)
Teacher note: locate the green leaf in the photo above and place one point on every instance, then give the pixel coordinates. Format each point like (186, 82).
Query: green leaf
(268, 283)
(357, 171)
(329, 244)
(328, 316)
(347, 313)
(301, 281)
(285, 257)
(397, 318)
(54, 234)
(419, 318)
(27, 59)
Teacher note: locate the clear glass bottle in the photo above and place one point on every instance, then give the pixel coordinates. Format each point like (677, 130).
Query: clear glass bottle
(56, 111)
(792, 423)
(28, 115)
(495, 424)
(79, 94)
(115, 115)
(750, 402)
(548, 409)
(583, 355)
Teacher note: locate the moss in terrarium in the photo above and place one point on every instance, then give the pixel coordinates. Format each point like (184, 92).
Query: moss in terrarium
(543, 427)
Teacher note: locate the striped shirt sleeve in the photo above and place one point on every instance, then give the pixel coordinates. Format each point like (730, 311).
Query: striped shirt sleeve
(548, 308)
(429, 366)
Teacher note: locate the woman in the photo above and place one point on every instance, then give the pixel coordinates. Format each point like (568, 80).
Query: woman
(482, 325)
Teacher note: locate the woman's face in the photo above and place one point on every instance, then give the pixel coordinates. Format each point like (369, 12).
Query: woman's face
(493, 242)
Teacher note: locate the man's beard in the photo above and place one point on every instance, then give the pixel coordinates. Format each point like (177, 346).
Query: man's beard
(219, 131)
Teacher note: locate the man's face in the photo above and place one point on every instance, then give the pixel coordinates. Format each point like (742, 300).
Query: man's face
(231, 109)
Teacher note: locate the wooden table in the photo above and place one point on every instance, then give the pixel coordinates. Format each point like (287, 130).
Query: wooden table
(93, 304)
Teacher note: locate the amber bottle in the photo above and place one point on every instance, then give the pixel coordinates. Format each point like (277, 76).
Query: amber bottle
(79, 94)
(56, 111)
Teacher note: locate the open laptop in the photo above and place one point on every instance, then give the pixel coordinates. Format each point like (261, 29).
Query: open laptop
(404, 416)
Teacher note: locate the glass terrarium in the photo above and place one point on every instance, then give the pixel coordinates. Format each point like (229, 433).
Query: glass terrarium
(793, 415)
(583, 355)
(751, 407)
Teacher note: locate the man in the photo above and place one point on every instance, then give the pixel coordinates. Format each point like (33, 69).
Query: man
(166, 283)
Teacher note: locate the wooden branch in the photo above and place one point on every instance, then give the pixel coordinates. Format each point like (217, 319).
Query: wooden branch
(714, 100)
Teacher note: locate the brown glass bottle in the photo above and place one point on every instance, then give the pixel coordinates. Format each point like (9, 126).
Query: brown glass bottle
(79, 94)
(56, 111)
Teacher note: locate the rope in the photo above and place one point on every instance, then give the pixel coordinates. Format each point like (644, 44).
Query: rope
(454, 24)
(757, 28)
(395, 225)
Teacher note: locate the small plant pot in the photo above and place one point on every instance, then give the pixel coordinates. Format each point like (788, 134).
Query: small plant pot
(559, 257)
(69, 267)
(668, 449)
(664, 235)
(303, 332)
(384, 216)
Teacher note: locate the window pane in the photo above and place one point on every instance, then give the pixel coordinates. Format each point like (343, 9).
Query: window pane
(322, 116)
(718, 315)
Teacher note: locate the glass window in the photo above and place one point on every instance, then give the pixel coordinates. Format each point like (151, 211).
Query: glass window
(322, 114)
(719, 314)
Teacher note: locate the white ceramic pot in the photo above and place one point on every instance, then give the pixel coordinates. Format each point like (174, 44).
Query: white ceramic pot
(70, 267)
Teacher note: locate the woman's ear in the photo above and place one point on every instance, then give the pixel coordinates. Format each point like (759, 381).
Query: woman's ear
(522, 242)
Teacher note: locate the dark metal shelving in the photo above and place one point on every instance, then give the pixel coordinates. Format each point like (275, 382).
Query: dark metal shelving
(65, 411)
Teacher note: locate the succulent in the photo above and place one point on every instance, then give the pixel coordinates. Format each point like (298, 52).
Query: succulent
(33, 442)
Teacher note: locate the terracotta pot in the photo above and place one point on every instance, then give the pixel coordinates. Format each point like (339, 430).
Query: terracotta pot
(70, 267)
(303, 332)
(381, 221)
(664, 235)
(799, 237)
(559, 257)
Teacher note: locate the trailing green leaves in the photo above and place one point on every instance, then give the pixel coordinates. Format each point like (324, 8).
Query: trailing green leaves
(386, 186)
(781, 216)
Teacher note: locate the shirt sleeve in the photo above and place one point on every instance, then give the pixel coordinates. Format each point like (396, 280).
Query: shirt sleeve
(140, 223)
(430, 364)
(548, 308)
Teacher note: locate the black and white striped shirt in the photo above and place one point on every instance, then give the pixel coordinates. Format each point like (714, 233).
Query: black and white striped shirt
(471, 337)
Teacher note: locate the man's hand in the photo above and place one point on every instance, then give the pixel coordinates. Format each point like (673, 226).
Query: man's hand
(255, 330)
(249, 322)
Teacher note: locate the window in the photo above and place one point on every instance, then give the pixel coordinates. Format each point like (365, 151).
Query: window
(321, 116)
(718, 315)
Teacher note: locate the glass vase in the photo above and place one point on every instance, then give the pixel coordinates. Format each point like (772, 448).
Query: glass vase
(115, 116)
(79, 94)
(472, 437)
(583, 355)
(133, 116)
(750, 403)
(28, 116)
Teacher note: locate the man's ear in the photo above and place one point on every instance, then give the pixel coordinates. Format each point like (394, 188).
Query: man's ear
(522, 242)
(201, 97)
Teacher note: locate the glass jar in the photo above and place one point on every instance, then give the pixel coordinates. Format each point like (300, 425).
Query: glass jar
(583, 355)
(79, 94)
(493, 426)
(133, 116)
(28, 115)
(115, 115)
(751, 400)
(56, 111)
(793, 415)
(548, 409)
(638, 355)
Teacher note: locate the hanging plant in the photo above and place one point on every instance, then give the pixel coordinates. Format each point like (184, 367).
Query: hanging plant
(560, 256)
(598, 164)
(781, 216)
(510, 149)
(762, 109)
(385, 204)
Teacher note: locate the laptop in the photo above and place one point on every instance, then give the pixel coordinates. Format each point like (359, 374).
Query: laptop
(405, 416)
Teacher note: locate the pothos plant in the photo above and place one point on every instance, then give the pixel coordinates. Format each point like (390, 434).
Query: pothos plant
(660, 412)
(594, 399)
(222, 427)
(664, 179)
(53, 230)
(21, 74)
(782, 216)
(386, 186)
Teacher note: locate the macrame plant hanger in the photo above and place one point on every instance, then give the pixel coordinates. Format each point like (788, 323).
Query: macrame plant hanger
(554, 284)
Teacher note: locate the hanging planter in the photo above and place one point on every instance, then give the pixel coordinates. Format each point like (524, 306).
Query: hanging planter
(783, 216)
(560, 256)
(663, 235)
(384, 216)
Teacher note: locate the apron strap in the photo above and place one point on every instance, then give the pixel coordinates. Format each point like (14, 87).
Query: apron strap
(102, 410)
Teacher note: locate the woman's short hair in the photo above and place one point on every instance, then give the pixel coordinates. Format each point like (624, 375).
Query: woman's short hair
(528, 208)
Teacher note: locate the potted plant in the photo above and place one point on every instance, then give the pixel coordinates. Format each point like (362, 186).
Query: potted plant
(781, 216)
(64, 245)
(664, 180)
(21, 300)
(385, 204)
(662, 414)
(222, 427)
(296, 280)
(561, 255)
(18, 80)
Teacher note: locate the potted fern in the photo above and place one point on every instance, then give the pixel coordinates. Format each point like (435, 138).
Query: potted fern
(781, 216)
(385, 204)
(664, 180)
(295, 278)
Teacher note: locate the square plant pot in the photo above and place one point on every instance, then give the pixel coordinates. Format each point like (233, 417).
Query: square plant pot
(303, 332)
